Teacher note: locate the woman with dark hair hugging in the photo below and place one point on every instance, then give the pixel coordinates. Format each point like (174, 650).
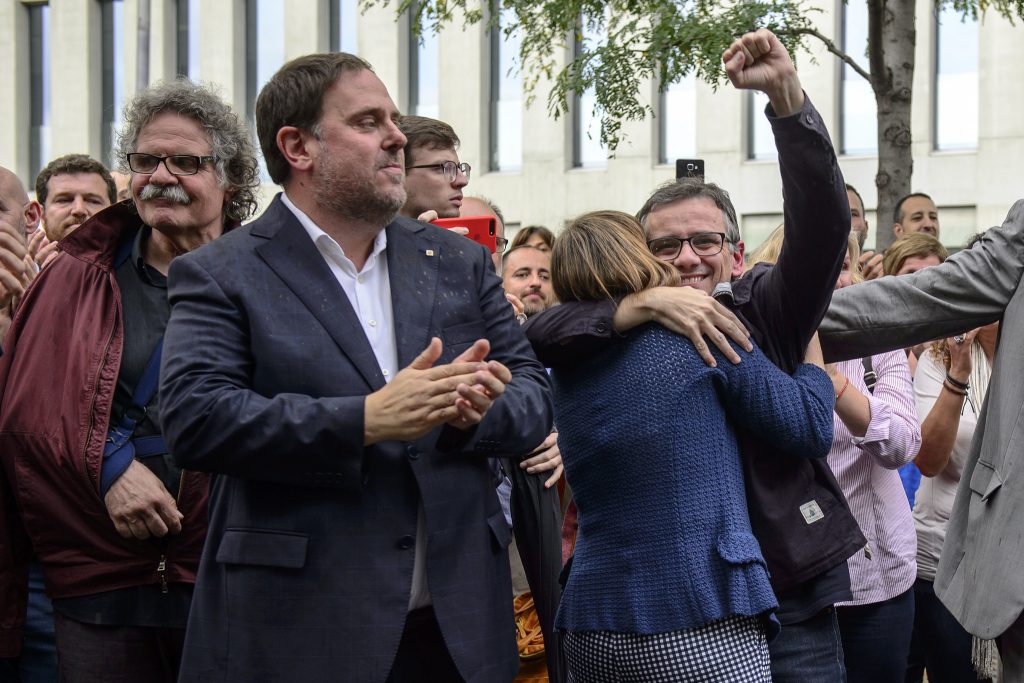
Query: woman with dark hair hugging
(667, 583)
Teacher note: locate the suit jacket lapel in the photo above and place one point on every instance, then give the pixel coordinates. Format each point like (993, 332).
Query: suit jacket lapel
(413, 260)
(292, 255)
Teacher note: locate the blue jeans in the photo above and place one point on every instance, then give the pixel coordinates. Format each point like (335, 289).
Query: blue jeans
(939, 644)
(809, 651)
(38, 661)
(876, 639)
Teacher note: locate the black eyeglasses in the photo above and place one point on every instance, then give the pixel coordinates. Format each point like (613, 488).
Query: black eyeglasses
(176, 164)
(703, 244)
(449, 168)
(500, 244)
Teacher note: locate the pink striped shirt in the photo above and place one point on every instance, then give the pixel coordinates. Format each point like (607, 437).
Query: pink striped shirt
(866, 467)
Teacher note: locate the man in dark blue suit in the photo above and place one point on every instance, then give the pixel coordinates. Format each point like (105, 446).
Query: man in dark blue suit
(345, 375)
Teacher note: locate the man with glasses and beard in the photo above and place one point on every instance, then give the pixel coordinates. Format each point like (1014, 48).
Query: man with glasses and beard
(87, 482)
(346, 374)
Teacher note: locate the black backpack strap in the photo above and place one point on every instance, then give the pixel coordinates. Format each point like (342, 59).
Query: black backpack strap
(870, 378)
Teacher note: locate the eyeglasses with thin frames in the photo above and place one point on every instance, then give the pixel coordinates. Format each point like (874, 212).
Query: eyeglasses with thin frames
(449, 168)
(702, 244)
(176, 164)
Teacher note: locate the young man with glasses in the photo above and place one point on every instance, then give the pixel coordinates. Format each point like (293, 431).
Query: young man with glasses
(797, 510)
(87, 482)
(434, 177)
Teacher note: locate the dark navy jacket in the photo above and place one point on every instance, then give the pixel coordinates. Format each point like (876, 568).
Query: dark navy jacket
(307, 570)
(646, 432)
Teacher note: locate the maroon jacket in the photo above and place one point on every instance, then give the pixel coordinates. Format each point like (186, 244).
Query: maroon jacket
(57, 378)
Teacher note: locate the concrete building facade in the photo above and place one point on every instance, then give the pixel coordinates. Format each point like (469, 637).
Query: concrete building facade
(70, 64)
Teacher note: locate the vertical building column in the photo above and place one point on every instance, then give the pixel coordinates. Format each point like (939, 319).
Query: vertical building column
(15, 105)
(222, 52)
(307, 27)
(384, 43)
(130, 47)
(1000, 126)
(76, 88)
(463, 82)
(163, 37)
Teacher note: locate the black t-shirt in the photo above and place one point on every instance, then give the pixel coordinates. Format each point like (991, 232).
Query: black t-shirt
(145, 311)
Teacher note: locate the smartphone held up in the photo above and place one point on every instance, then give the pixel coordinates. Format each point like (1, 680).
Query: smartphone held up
(482, 229)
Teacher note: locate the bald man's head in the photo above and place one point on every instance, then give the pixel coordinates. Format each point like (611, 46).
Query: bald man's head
(16, 209)
(11, 186)
(476, 206)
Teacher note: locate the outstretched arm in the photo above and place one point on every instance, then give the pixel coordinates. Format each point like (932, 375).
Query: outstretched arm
(971, 289)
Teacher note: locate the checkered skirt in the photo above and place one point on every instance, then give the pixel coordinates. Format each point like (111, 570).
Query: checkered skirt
(733, 649)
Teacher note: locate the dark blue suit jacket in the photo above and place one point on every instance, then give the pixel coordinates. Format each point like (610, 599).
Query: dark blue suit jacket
(307, 568)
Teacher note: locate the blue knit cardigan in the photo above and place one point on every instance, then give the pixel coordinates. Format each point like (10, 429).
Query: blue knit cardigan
(646, 434)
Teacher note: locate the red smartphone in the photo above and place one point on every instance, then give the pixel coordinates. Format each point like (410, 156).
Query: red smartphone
(482, 229)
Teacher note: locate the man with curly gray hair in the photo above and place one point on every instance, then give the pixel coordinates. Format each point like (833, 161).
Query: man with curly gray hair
(86, 480)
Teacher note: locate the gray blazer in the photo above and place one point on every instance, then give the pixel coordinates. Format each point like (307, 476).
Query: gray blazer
(979, 576)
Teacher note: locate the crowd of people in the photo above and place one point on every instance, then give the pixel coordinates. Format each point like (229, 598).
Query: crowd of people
(338, 442)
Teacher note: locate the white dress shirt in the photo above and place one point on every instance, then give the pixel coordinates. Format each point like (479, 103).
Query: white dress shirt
(369, 292)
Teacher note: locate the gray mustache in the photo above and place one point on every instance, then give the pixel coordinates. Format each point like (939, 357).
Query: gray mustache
(173, 193)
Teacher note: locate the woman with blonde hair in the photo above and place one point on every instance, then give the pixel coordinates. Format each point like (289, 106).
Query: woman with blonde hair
(876, 431)
(668, 582)
(912, 252)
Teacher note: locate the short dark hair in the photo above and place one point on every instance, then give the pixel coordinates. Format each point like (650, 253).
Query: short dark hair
(692, 188)
(529, 231)
(897, 212)
(421, 131)
(860, 199)
(518, 247)
(73, 163)
(294, 96)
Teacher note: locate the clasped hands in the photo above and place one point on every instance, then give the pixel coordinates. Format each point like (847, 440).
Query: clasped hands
(423, 396)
